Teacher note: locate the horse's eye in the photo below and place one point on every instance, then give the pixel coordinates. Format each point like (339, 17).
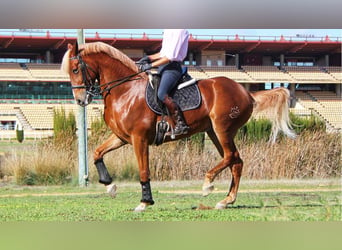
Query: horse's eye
(75, 71)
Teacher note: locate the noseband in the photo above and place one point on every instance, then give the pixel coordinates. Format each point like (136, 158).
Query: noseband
(91, 84)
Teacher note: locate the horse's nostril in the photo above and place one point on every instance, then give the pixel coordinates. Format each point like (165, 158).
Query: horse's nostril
(80, 102)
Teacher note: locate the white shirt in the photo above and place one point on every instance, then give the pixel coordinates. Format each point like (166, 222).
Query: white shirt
(175, 44)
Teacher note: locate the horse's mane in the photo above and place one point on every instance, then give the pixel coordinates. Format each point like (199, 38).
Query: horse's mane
(100, 47)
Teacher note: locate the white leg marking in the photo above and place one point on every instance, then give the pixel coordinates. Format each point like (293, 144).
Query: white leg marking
(207, 188)
(221, 205)
(111, 190)
(141, 208)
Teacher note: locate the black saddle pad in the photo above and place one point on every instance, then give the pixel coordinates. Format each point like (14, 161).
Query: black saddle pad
(187, 98)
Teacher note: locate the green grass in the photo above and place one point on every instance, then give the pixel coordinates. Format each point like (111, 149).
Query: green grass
(8, 146)
(320, 202)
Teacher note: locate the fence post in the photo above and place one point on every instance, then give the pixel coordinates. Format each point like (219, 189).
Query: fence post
(83, 170)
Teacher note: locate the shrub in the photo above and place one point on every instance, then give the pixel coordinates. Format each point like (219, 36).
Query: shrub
(64, 127)
(19, 134)
(260, 129)
(255, 130)
(99, 131)
(311, 123)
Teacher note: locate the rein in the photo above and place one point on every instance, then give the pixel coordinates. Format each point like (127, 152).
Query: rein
(91, 85)
(117, 82)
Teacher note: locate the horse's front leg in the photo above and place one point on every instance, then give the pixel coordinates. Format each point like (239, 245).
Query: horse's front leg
(112, 143)
(141, 150)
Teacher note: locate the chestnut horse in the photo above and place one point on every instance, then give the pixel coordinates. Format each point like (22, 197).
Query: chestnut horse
(97, 68)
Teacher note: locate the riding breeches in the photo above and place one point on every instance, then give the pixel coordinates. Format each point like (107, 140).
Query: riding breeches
(170, 74)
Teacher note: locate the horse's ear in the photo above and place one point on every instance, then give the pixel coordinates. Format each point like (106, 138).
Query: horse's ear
(73, 48)
(76, 48)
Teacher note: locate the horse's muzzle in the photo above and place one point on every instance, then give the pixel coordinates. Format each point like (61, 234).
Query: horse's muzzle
(83, 99)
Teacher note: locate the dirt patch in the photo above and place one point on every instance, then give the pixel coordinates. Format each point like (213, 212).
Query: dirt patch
(308, 190)
(49, 194)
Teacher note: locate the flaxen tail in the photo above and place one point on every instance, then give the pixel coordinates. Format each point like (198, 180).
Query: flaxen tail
(274, 105)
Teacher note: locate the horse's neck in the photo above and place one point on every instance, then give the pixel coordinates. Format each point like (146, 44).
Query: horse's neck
(113, 70)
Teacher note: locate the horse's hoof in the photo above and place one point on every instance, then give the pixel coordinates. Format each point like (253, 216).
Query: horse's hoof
(206, 190)
(111, 190)
(141, 208)
(220, 206)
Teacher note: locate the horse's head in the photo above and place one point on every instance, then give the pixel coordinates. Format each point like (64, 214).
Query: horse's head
(82, 76)
(85, 64)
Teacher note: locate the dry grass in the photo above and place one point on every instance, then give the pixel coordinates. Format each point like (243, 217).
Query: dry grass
(311, 155)
(43, 163)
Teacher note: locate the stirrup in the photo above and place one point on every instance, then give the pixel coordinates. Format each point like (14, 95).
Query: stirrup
(179, 130)
(161, 128)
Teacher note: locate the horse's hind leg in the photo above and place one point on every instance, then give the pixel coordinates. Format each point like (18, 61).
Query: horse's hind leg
(231, 158)
(236, 170)
(208, 185)
(112, 143)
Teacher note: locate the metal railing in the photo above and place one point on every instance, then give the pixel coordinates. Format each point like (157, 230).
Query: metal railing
(71, 33)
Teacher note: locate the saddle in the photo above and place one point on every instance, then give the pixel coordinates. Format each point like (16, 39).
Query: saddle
(186, 94)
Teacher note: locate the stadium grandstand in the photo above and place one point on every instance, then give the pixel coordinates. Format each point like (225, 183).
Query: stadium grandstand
(32, 85)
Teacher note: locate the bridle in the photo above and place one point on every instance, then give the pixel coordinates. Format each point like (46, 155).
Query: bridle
(91, 84)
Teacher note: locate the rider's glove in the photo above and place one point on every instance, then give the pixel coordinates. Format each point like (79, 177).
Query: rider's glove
(143, 60)
(144, 67)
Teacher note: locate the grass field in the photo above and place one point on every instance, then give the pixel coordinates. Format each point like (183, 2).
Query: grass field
(301, 200)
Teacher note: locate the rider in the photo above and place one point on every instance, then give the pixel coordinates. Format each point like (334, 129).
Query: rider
(168, 60)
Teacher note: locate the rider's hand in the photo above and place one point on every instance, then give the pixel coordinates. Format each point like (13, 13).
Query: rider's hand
(145, 66)
(143, 60)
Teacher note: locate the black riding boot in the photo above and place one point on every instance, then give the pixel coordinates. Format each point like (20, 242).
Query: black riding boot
(177, 116)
